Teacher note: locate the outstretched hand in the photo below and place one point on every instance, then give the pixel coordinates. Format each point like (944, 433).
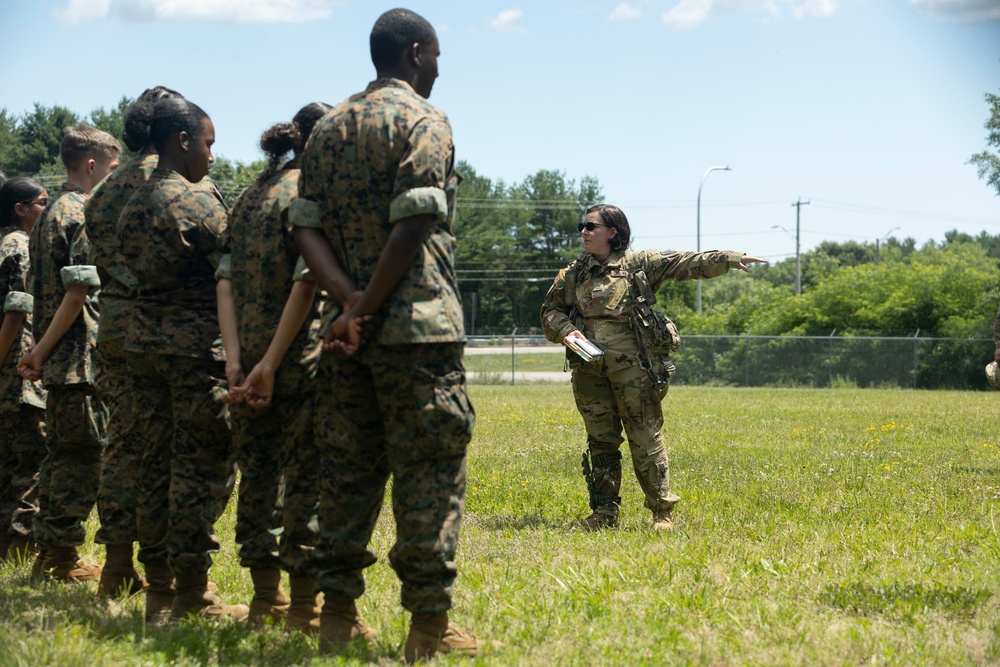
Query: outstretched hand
(747, 259)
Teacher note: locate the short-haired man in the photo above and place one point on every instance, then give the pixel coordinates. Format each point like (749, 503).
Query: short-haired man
(64, 317)
(377, 197)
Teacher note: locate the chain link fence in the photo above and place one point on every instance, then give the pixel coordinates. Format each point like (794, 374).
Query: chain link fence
(905, 362)
(915, 362)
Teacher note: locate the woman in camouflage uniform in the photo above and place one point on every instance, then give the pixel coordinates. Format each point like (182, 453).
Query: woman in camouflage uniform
(172, 239)
(22, 401)
(605, 296)
(270, 321)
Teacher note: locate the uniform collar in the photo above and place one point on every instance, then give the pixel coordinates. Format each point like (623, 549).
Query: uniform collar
(389, 82)
(613, 261)
(69, 187)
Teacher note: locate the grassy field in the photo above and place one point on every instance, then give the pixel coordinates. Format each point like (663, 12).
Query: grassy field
(817, 527)
(523, 363)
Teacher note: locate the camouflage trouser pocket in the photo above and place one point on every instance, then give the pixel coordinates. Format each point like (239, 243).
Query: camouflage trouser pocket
(446, 416)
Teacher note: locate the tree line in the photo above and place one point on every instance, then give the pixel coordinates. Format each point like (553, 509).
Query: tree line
(512, 238)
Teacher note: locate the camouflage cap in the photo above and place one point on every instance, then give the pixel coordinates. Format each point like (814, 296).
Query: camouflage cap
(993, 374)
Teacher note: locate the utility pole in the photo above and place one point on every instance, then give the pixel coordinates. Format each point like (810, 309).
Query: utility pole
(798, 264)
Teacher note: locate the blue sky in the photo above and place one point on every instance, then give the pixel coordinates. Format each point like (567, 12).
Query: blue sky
(868, 109)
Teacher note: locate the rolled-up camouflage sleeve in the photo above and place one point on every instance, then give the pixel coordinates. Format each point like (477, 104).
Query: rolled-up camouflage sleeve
(18, 302)
(79, 275)
(996, 330)
(224, 271)
(423, 173)
(304, 212)
(302, 272)
(556, 324)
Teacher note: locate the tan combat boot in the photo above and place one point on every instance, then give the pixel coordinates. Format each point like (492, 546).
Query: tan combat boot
(598, 521)
(269, 598)
(119, 578)
(340, 623)
(662, 520)
(433, 633)
(305, 609)
(194, 597)
(64, 564)
(160, 592)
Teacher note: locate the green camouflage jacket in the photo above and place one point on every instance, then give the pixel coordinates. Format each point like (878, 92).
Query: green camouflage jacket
(264, 264)
(172, 237)
(378, 157)
(59, 248)
(15, 390)
(600, 293)
(102, 210)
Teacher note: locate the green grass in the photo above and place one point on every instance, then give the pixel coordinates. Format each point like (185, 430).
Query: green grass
(817, 527)
(523, 363)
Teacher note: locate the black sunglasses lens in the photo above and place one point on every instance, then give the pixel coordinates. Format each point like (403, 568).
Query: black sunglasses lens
(589, 226)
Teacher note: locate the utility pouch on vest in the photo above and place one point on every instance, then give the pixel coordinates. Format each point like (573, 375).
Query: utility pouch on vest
(655, 334)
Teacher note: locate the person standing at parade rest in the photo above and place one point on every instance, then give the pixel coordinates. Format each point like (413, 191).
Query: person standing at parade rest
(22, 401)
(117, 495)
(269, 319)
(377, 196)
(64, 286)
(598, 298)
(172, 238)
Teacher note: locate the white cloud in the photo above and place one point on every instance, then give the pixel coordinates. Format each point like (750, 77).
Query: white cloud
(688, 13)
(625, 12)
(507, 21)
(691, 13)
(960, 10)
(814, 8)
(198, 11)
(82, 10)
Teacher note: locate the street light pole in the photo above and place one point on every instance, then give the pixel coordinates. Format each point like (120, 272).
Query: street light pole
(878, 241)
(704, 176)
(798, 265)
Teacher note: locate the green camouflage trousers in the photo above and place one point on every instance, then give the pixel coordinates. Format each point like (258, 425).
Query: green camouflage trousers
(279, 483)
(118, 492)
(187, 471)
(630, 399)
(399, 410)
(77, 422)
(21, 450)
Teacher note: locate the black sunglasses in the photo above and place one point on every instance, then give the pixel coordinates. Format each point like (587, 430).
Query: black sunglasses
(589, 226)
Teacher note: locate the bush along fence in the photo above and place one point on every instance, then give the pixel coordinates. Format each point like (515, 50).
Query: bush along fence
(915, 362)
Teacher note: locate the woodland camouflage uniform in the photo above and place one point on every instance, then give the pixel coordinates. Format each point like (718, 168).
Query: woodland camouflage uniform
(615, 391)
(118, 494)
(399, 406)
(275, 447)
(22, 402)
(76, 418)
(172, 239)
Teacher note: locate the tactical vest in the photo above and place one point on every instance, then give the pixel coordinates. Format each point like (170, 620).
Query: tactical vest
(656, 335)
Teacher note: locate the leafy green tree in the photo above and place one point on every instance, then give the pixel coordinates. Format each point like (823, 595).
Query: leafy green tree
(39, 134)
(512, 240)
(987, 163)
(233, 177)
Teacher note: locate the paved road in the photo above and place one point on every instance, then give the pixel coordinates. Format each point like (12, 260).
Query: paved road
(551, 348)
(528, 377)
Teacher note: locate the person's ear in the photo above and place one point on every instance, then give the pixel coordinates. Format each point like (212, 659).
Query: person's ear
(415, 54)
(91, 166)
(185, 140)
